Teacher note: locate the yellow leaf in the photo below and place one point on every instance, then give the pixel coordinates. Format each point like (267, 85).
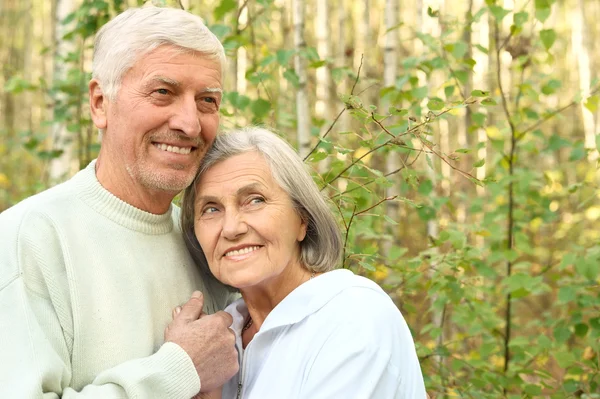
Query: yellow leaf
(588, 353)
(4, 182)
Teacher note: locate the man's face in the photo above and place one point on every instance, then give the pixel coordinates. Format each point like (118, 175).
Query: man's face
(165, 116)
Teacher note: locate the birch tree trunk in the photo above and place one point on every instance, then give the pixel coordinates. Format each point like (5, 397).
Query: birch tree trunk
(390, 71)
(67, 163)
(480, 80)
(342, 87)
(302, 109)
(323, 34)
(580, 40)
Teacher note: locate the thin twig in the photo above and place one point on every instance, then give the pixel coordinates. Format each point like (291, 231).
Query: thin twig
(377, 204)
(555, 112)
(347, 234)
(511, 200)
(340, 114)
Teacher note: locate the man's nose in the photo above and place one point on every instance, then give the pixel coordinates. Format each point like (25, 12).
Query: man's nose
(186, 118)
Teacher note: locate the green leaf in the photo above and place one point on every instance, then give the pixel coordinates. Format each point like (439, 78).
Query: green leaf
(566, 294)
(367, 266)
(397, 252)
(488, 101)
(435, 104)
(595, 323)
(459, 49)
(390, 220)
(533, 390)
(570, 386)
(479, 163)
(448, 91)
(578, 152)
(220, 30)
(291, 76)
(548, 37)
(480, 93)
(542, 9)
(224, 7)
(317, 156)
(551, 86)
(419, 93)
(556, 142)
(520, 18)
(284, 56)
(260, 108)
(498, 12)
(581, 329)
(564, 359)
(478, 119)
(561, 333)
(397, 111)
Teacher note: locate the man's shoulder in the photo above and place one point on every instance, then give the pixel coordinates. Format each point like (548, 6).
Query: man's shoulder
(48, 202)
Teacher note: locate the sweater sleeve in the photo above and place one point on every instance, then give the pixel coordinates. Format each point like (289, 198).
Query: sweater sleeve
(36, 331)
(368, 356)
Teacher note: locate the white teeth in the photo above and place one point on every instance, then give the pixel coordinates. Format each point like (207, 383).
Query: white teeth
(242, 251)
(172, 148)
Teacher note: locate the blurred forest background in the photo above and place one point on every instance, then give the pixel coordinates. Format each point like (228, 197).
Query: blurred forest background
(457, 139)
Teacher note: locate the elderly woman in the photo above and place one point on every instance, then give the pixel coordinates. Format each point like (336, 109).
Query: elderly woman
(255, 220)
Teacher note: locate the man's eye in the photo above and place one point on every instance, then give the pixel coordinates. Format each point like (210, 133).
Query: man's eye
(163, 92)
(208, 104)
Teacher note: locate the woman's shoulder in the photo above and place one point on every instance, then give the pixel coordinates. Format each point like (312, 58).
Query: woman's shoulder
(356, 299)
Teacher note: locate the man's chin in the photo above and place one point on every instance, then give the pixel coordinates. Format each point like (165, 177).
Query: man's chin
(168, 181)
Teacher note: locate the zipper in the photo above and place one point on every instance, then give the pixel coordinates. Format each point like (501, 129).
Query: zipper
(240, 385)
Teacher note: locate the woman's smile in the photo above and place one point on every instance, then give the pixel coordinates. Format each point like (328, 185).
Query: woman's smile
(247, 225)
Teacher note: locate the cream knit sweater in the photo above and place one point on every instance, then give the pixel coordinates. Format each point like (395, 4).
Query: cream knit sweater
(87, 285)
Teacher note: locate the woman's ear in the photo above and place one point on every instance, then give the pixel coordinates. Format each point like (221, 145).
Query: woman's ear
(303, 228)
(98, 103)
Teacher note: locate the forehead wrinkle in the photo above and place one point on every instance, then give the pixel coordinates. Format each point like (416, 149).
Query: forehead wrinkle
(239, 192)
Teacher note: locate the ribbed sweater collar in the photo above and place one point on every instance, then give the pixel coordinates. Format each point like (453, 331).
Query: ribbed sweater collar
(92, 193)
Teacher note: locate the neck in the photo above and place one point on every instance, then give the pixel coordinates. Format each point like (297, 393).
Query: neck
(263, 298)
(122, 186)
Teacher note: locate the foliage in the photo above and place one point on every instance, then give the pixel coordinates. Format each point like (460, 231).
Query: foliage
(503, 302)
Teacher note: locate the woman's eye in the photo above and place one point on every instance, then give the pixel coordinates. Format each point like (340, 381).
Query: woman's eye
(209, 209)
(257, 200)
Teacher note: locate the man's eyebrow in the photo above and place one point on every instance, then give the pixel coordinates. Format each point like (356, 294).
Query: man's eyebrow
(165, 80)
(212, 90)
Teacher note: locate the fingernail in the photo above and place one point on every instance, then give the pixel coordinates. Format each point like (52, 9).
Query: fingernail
(197, 294)
(177, 310)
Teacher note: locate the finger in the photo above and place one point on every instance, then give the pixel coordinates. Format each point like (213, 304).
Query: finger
(225, 317)
(176, 312)
(192, 308)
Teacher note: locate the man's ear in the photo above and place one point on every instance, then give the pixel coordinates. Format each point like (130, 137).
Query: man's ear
(98, 104)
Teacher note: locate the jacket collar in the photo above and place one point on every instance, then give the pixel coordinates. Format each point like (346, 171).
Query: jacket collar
(302, 302)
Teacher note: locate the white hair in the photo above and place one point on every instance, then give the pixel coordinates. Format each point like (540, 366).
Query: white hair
(321, 249)
(138, 31)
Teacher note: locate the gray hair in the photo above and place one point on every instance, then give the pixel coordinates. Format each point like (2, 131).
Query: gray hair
(321, 249)
(138, 31)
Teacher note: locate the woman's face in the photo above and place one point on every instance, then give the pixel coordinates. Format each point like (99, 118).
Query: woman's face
(246, 223)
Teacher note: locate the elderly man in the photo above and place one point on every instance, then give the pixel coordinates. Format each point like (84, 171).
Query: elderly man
(90, 270)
